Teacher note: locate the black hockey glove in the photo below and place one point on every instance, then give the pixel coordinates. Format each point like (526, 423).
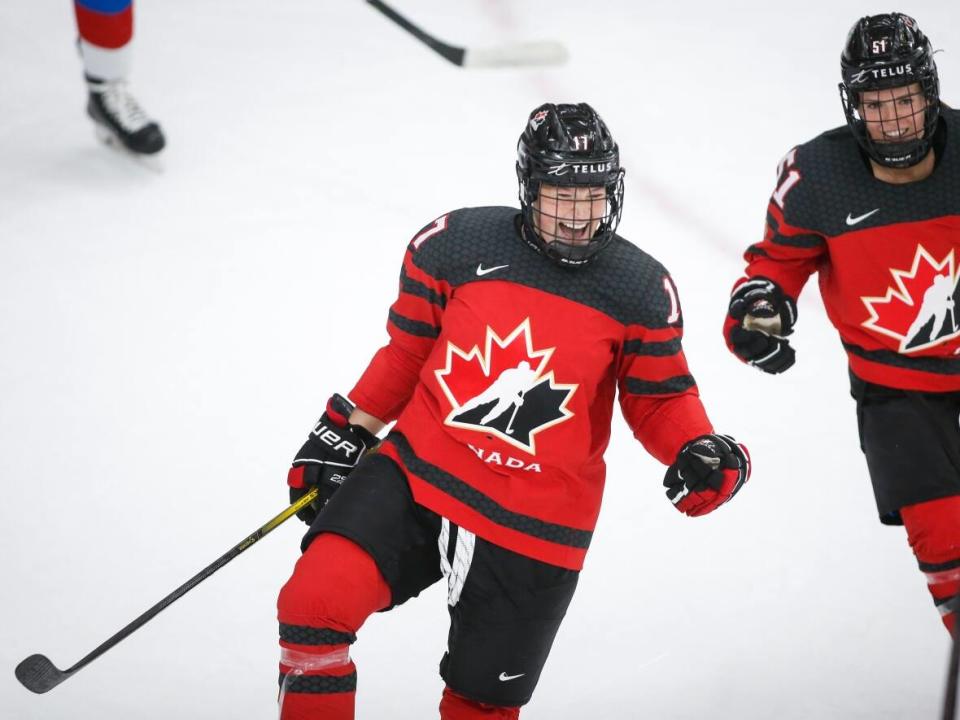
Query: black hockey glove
(708, 471)
(759, 318)
(332, 450)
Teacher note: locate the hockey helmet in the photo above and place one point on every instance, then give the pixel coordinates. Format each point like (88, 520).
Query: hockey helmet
(883, 52)
(565, 146)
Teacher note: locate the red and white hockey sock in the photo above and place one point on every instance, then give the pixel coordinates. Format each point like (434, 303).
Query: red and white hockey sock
(106, 29)
(457, 707)
(933, 529)
(335, 587)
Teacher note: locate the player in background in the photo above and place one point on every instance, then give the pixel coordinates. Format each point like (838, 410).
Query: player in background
(512, 335)
(106, 33)
(874, 207)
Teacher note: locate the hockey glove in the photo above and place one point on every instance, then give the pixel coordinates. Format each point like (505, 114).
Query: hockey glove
(759, 318)
(708, 471)
(331, 451)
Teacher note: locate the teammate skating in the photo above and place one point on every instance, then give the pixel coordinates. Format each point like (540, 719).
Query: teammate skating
(485, 293)
(106, 33)
(874, 207)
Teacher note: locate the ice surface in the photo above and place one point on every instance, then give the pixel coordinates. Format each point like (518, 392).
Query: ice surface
(166, 339)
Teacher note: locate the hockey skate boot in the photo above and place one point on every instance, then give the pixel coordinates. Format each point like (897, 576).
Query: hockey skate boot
(119, 118)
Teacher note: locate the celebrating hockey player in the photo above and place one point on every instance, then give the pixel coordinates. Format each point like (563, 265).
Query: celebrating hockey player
(874, 207)
(106, 38)
(512, 334)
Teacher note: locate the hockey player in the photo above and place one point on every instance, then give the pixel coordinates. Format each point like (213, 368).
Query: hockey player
(106, 32)
(874, 207)
(512, 333)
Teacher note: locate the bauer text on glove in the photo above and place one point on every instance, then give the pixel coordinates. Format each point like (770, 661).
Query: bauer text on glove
(332, 450)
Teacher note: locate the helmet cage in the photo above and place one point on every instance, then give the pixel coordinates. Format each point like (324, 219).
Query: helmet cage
(558, 245)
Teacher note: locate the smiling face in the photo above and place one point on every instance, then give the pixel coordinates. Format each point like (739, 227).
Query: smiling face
(894, 115)
(569, 214)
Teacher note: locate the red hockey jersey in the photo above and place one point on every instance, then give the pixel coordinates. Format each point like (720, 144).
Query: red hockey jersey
(502, 369)
(886, 256)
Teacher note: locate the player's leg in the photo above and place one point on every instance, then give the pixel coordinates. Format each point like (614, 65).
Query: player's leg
(457, 707)
(505, 610)
(370, 548)
(483, 398)
(335, 587)
(933, 528)
(105, 28)
(938, 317)
(501, 407)
(912, 446)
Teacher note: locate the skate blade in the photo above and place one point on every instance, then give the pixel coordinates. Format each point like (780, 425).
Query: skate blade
(153, 162)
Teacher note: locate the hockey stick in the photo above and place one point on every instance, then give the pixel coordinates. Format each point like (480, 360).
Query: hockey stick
(38, 674)
(516, 406)
(950, 696)
(514, 55)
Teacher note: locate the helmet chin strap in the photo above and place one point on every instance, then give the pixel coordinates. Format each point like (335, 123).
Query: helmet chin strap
(561, 252)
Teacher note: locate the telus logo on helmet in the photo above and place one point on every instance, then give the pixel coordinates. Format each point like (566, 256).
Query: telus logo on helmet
(591, 169)
(881, 73)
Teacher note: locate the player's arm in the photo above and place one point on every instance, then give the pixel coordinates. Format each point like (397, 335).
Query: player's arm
(366, 421)
(763, 304)
(413, 325)
(661, 403)
(658, 395)
(346, 431)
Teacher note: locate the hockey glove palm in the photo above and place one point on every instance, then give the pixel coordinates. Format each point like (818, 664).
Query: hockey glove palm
(759, 318)
(332, 450)
(708, 471)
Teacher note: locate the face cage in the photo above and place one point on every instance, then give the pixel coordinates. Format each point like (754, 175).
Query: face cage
(554, 245)
(901, 153)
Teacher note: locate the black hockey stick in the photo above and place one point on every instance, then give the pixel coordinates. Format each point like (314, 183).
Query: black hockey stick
(514, 55)
(39, 674)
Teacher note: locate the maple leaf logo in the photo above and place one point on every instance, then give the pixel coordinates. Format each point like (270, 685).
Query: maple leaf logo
(504, 389)
(918, 311)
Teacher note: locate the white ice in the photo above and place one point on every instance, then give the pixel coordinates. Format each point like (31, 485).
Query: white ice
(167, 338)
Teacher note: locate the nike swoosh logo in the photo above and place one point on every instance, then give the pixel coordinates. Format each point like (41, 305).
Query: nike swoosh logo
(504, 677)
(481, 270)
(860, 218)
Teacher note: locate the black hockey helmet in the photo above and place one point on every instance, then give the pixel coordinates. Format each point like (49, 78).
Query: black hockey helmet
(569, 146)
(883, 52)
